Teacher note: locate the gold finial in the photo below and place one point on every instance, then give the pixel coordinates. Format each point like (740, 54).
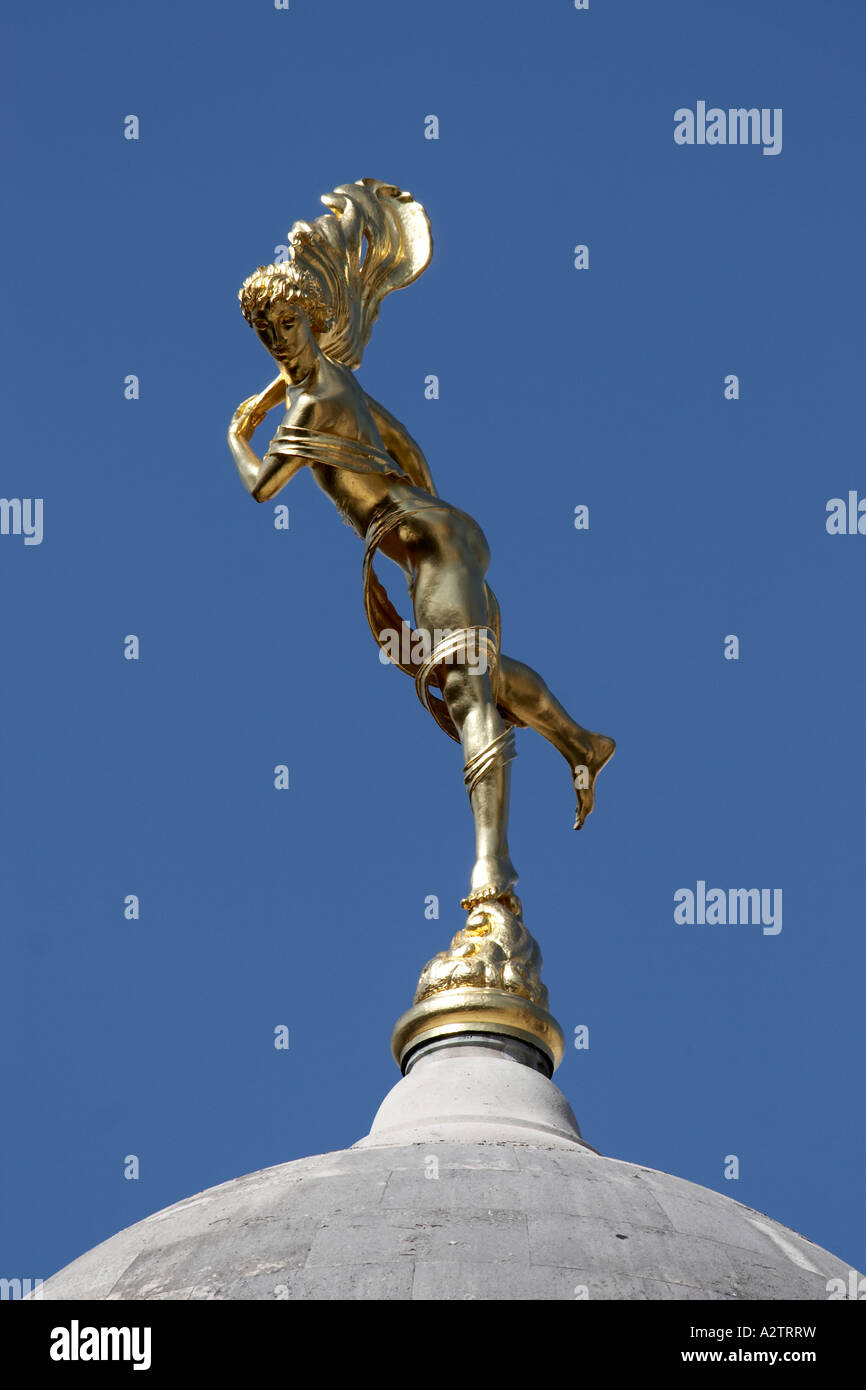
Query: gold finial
(489, 980)
(314, 316)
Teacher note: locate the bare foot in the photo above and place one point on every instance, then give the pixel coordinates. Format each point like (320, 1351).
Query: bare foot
(493, 877)
(587, 763)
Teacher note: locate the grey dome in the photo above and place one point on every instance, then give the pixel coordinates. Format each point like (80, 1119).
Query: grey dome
(474, 1183)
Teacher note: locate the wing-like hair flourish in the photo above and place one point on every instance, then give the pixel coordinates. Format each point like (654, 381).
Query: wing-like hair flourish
(375, 239)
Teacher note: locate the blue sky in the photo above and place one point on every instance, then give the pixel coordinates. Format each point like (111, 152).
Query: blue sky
(558, 387)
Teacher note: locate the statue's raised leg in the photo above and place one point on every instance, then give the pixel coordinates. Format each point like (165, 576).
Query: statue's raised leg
(523, 692)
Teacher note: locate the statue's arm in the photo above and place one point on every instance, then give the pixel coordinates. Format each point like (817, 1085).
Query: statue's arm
(400, 444)
(261, 477)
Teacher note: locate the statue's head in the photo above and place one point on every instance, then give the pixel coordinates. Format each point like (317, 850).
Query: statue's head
(284, 305)
(374, 239)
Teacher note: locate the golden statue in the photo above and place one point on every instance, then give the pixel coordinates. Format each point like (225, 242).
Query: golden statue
(314, 314)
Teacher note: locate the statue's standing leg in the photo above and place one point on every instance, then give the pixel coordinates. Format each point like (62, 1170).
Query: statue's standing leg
(449, 565)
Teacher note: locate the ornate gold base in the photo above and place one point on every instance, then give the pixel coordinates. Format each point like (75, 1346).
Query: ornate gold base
(478, 1011)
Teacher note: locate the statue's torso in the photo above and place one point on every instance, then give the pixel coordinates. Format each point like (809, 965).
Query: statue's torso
(331, 402)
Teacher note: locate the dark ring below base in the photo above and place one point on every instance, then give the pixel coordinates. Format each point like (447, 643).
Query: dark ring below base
(526, 1053)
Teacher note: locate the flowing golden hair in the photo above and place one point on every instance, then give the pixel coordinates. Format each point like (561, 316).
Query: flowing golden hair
(374, 239)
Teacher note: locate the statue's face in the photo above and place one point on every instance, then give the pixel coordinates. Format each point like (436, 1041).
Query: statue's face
(283, 328)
